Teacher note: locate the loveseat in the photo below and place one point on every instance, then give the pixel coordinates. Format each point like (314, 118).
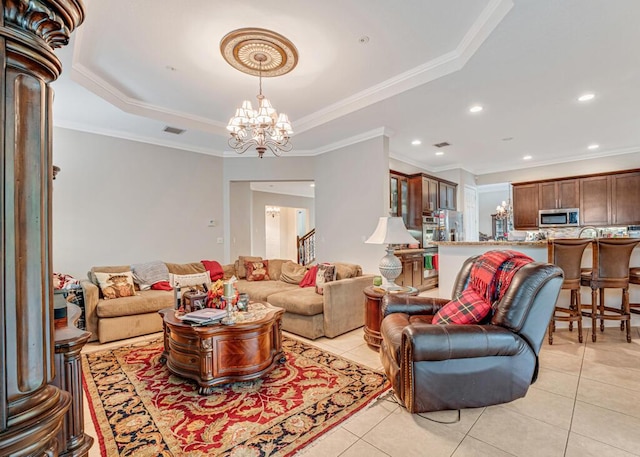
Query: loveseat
(339, 309)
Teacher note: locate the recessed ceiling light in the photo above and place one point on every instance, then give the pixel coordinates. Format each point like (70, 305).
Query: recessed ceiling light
(416, 142)
(586, 97)
(475, 109)
(593, 146)
(364, 39)
(439, 153)
(527, 158)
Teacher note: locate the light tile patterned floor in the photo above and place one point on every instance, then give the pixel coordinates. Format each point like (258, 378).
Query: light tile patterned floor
(586, 402)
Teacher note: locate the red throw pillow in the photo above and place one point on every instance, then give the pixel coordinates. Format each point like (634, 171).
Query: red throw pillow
(161, 285)
(214, 268)
(468, 308)
(309, 279)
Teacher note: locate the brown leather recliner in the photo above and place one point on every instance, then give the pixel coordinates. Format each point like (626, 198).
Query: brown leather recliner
(441, 367)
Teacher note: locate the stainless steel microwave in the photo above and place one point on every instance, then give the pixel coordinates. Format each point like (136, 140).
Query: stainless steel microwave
(568, 217)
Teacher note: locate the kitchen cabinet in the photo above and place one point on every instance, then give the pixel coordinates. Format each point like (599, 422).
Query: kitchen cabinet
(429, 194)
(399, 195)
(525, 206)
(595, 200)
(604, 199)
(447, 193)
(412, 267)
(559, 194)
(625, 193)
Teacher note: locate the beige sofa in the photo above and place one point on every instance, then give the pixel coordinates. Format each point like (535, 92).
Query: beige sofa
(339, 310)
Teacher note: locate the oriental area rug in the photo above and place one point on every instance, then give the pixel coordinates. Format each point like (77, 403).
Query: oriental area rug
(140, 409)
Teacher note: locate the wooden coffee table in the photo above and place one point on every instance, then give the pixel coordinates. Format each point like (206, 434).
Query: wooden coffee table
(219, 354)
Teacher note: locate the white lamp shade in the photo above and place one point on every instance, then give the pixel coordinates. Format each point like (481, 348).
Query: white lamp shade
(391, 230)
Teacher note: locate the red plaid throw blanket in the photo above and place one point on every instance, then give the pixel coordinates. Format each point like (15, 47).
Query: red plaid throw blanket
(490, 277)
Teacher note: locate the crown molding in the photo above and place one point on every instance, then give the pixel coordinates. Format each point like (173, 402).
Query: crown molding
(441, 66)
(133, 137)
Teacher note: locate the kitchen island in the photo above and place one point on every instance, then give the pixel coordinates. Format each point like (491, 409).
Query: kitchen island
(452, 254)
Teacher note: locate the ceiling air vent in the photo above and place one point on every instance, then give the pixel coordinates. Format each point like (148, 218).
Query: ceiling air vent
(174, 130)
(441, 145)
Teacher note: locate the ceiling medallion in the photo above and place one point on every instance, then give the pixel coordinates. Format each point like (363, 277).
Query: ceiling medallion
(259, 52)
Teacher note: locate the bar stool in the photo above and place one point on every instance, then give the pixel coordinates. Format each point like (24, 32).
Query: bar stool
(634, 278)
(567, 254)
(610, 270)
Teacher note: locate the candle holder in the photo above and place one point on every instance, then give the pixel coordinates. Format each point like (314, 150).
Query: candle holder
(229, 319)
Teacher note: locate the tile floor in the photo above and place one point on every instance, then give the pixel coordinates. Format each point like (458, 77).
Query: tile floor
(586, 402)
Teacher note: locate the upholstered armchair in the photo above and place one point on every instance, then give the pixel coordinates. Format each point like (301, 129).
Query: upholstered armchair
(448, 367)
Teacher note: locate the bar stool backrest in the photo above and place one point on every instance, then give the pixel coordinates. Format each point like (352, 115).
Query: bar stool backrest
(567, 254)
(611, 261)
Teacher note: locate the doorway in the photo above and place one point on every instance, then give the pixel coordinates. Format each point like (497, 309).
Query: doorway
(282, 227)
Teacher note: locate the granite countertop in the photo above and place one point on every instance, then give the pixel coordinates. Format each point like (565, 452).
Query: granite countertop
(542, 243)
(407, 251)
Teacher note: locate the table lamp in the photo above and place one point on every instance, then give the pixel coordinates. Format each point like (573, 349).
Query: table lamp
(390, 231)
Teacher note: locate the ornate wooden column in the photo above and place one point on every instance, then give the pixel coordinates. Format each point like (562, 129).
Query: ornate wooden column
(31, 409)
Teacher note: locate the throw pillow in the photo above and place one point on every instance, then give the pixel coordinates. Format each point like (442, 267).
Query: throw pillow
(347, 270)
(309, 279)
(468, 308)
(257, 271)
(292, 272)
(275, 267)
(116, 285)
(195, 279)
(161, 285)
(185, 268)
(214, 268)
(149, 273)
(241, 271)
(326, 273)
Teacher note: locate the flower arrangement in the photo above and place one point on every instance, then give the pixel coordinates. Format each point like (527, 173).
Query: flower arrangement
(215, 294)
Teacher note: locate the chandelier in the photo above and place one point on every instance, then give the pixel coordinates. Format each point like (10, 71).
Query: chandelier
(263, 53)
(504, 210)
(272, 211)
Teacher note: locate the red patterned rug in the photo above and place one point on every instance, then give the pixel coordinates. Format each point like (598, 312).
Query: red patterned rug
(140, 409)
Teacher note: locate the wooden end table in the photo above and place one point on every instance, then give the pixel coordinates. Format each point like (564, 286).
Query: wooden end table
(373, 313)
(69, 341)
(219, 354)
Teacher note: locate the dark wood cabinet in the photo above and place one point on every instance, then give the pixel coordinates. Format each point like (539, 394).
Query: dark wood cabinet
(429, 194)
(447, 194)
(525, 206)
(625, 193)
(559, 194)
(604, 199)
(595, 200)
(412, 267)
(399, 195)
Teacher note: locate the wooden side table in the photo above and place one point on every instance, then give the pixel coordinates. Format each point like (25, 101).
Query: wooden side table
(69, 341)
(373, 313)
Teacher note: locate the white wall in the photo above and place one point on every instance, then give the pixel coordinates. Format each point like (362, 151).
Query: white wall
(352, 193)
(117, 202)
(240, 208)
